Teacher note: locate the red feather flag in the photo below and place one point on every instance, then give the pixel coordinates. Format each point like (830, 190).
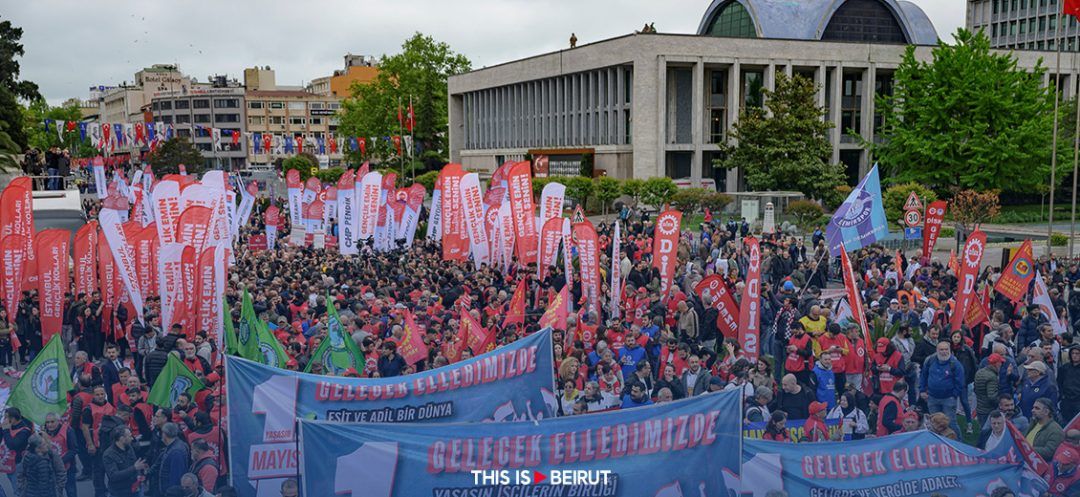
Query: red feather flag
(1072, 8)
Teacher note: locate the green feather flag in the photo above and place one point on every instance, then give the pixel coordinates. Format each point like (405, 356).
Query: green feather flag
(247, 340)
(174, 380)
(43, 388)
(337, 352)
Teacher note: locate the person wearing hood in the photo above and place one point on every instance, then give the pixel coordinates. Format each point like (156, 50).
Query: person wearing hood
(1068, 383)
(814, 430)
(852, 418)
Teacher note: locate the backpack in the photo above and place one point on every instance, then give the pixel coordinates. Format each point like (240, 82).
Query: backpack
(108, 424)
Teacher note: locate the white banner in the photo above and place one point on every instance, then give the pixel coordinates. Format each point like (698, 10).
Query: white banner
(551, 202)
(615, 289)
(472, 208)
(170, 280)
(346, 206)
(123, 255)
(271, 236)
(1041, 297)
(506, 225)
(370, 188)
(434, 220)
(568, 266)
(166, 209)
(99, 179)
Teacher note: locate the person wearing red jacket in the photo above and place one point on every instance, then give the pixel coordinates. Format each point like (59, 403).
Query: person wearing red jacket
(856, 360)
(836, 344)
(887, 366)
(800, 354)
(814, 430)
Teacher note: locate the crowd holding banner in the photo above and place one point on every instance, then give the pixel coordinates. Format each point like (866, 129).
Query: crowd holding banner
(175, 273)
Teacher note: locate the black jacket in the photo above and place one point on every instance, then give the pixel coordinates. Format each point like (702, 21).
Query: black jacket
(1068, 380)
(41, 475)
(155, 363)
(119, 466)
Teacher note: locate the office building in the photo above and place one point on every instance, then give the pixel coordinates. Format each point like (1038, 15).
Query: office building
(662, 104)
(1024, 24)
(196, 109)
(288, 113)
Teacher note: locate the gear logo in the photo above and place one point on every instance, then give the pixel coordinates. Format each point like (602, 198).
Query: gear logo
(667, 225)
(973, 253)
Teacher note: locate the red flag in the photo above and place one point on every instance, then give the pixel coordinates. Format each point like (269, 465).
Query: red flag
(935, 214)
(12, 262)
(1033, 460)
(86, 258)
(977, 311)
(516, 313)
(235, 137)
(555, 316)
(550, 236)
(969, 271)
(454, 241)
(300, 144)
(400, 116)
(588, 244)
(52, 247)
(953, 265)
(397, 143)
(412, 346)
(728, 319)
(523, 211)
(666, 247)
(193, 225)
(1016, 278)
(333, 144)
(185, 313)
(750, 307)
(478, 339)
(410, 119)
(267, 142)
(854, 297)
(109, 281)
(1072, 8)
(363, 147)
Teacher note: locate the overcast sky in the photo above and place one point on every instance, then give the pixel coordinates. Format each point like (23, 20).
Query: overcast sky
(73, 44)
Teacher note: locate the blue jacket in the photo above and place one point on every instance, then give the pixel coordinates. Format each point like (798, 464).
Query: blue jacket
(942, 380)
(629, 359)
(826, 385)
(628, 402)
(1030, 391)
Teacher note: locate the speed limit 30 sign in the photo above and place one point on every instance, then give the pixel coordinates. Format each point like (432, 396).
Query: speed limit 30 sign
(912, 218)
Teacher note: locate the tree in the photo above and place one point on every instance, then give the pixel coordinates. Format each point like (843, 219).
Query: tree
(633, 187)
(303, 163)
(896, 196)
(785, 147)
(658, 191)
(607, 190)
(13, 138)
(420, 71)
(688, 200)
(971, 208)
(168, 156)
(38, 111)
(807, 213)
(968, 119)
(578, 188)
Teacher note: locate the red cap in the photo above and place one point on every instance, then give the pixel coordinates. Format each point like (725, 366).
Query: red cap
(882, 343)
(995, 358)
(816, 407)
(1067, 454)
(351, 372)
(213, 378)
(292, 362)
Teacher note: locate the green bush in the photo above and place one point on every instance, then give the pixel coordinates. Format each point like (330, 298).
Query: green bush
(428, 179)
(1059, 239)
(689, 200)
(947, 232)
(658, 191)
(302, 163)
(539, 184)
(633, 187)
(836, 197)
(896, 196)
(329, 176)
(805, 212)
(715, 202)
(606, 190)
(578, 188)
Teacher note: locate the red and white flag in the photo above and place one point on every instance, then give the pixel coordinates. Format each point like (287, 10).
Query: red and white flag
(750, 307)
(293, 187)
(935, 215)
(85, 252)
(171, 282)
(411, 220)
(434, 231)
(145, 242)
(666, 248)
(165, 199)
(969, 262)
(346, 208)
(550, 238)
(412, 347)
(519, 179)
(551, 201)
(616, 285)
(472, 207)
(727, 319)
(853, 295)
(193, 227)
(17, 218)
(368, 204)
(271, 218)
(588, 245)
(124, 256)
(53, 278)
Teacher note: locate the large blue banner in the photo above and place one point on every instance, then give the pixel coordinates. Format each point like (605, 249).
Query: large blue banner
(676, 449)
(511, 383)
(860, 220)
(902, 465)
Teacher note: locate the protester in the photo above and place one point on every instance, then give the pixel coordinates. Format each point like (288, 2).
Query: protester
(1045, 434)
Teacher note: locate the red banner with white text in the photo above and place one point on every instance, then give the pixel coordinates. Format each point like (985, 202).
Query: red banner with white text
(666, 248)
(728, 319)
(52, 247)
(86, 255)
(588, 245)
(750, 307)
(519, 178)
(969, 262)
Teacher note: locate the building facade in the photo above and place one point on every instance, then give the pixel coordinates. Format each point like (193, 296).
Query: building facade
(1024, 24)
(199, 108)
(662, 104)
(288, 112)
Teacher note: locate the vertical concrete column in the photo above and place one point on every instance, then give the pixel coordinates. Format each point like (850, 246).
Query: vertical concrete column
(697, 106)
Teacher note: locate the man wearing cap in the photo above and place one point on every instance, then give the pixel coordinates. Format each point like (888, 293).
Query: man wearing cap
(986, 387)
(1036, 385)
(814, 430)
(1065, 482)
(1029, 326)
(942, 383)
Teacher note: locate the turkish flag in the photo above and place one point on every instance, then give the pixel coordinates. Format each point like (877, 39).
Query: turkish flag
(1072, 8)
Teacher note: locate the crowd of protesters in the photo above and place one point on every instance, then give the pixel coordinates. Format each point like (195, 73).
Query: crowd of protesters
(816, 372)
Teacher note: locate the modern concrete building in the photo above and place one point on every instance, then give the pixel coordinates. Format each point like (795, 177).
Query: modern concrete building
(216, 105)
(661, 104)
(1024, 24)
(288, 112)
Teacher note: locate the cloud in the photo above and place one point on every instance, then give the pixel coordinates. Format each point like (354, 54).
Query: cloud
(71, 45)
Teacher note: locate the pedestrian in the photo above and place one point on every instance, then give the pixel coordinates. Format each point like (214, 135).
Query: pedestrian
(1036, 385)
(1044, 434)
(986, 387)
(122, 467)
(41, 473)
(942, 384)
(174, 459)
(814, 430)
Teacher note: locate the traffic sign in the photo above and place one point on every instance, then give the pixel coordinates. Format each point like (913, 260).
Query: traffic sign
(913, 203)
(913, 233)
(912, 218)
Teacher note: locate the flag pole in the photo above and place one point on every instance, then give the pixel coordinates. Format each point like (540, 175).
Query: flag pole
(412, 134)
(401, 133)
(1053, 147)
(1076, 162)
